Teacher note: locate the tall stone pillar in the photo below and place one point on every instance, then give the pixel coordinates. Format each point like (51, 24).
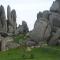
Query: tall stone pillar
(3, 22)
(13, 16)
(8, 13)
(9, 20)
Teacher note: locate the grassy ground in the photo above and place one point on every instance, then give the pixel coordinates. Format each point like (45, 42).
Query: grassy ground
(35, 54)
(47, 53)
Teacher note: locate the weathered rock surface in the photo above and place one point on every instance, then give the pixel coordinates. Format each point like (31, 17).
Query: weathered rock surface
(19, 29)
(25, 27)
(55, 39)
(54, 19)
(46, 14)
(3, 22)
(11, 20)
(22, 29)
(7, 28)
(47, 25)
(39, 15)
(55, 6)
(42, 29)
(30, 42)
(7, 43)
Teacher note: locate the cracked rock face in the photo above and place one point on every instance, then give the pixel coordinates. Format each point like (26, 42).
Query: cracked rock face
(41, 30)
(47, 25)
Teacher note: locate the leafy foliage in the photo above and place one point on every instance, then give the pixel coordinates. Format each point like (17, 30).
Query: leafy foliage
(20, 37)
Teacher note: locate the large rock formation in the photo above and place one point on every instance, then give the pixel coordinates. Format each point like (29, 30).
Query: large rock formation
(55, 6)
(11, 20)
(3, 22)
(7, 26)
(25, 27)
(39, 15)
(42, 28)
(54, 19)
(8, 13)
(7, 43)
(55, 39)
(22, 29)
(47, 25)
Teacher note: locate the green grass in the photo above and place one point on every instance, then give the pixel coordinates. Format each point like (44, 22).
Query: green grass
(35, 54)
(47, 53)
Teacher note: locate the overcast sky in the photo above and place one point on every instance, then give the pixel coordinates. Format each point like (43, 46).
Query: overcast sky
(27, 9)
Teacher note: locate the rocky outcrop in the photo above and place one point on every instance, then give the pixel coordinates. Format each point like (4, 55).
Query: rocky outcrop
(25, 27)
(19, 29)
(55, 39)
(54, 19)
(7, 28)
(8, 25)
(55, 6)
(22, 29)
(7, 43)
(11, 19)
(29, 42)
(3, 22)
(42, 29)
(47, 25)
(39, 15)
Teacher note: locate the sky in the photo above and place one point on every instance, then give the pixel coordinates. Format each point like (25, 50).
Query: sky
(27, 10)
